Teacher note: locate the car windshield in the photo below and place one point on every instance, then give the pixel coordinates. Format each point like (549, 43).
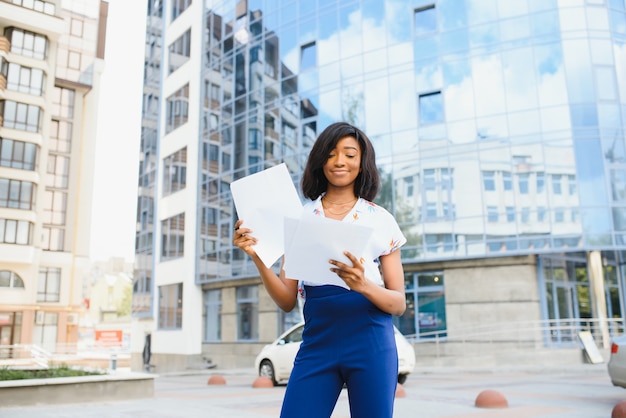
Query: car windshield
(295, 336)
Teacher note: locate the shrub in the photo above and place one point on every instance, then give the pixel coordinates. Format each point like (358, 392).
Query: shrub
(54, 371)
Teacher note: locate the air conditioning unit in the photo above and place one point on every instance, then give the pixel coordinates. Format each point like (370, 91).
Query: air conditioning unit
(72, 319)
(39, 317)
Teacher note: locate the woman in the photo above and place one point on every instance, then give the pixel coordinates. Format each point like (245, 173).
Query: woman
(348, 335)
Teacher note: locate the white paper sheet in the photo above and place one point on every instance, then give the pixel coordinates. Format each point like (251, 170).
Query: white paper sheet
(312, 240)
(263, 200)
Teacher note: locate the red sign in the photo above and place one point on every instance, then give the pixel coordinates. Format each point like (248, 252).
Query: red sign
(109, 338)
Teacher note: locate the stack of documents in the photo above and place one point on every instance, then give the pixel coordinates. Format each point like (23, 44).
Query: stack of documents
(269, 205)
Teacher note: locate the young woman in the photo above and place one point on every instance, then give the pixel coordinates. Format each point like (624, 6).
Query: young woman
(348, 335)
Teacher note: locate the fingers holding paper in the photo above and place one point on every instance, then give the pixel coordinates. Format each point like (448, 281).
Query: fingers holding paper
(353, 275)
(243, 240)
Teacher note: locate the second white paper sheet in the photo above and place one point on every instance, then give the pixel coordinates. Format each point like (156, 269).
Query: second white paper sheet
(311, 241)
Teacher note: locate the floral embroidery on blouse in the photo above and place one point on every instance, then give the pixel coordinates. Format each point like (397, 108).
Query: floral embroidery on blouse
(393, 245)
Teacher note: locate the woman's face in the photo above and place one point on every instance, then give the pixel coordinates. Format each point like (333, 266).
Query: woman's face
(344, 162)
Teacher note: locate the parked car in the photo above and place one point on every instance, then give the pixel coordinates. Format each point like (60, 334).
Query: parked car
(276, 359)
(617, 361)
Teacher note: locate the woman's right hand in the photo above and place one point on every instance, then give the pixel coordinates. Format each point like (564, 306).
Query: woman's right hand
(242, 240)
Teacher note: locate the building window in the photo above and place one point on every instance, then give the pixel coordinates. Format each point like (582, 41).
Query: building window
(24, 79)
(18, 154)
(247, 313)
(175, 172)
(522, 183)
(559, 215)
(45, 330)
(541, 182)
(49, 284)
(63, 103)
(308, 56)
(180, 51)
(489, 181)
(425, 305)
(447, 178)
(525, 215)
(431, 211)
(76, 27)
(22, 116)
(425, 19)
(430, 179)
(73, 60)
(171, 306)
(492, 214)
(177, 109)
(52, 238)
(431, 108)
(26, 43)
(571, 182)
(507, 180)
(13, 231)
(173, 237)
(408, 186)
(58, 171)
(510, 214)
(60, 136)
(17, 194)
(556, 184)
(541, 214)
(178, 7)
(212, 315)
(10, 279)
(55, 207)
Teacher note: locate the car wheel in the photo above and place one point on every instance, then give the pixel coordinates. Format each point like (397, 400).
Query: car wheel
(401, 378)
(266, 369)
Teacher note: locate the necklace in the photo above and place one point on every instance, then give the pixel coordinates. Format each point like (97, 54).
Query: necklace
(337, 203)
(336, 213)
(326, 208)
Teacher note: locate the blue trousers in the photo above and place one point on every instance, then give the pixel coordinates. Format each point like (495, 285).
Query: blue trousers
(346, 340)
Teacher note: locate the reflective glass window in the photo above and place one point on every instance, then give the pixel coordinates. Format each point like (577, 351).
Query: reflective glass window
(425, 20)
(522, 183)
(431, 108)
(489, 181)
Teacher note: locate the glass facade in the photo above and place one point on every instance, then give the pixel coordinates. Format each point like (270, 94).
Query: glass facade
(498, 126)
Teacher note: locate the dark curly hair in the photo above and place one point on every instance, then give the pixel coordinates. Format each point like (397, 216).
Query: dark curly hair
(314, 183)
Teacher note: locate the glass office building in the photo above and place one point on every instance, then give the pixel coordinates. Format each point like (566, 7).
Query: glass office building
(499, 132)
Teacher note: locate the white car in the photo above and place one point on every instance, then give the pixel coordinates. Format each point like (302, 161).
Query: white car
(617, 362)
(276, 359)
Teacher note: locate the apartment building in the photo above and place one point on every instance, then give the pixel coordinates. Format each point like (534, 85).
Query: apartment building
(51, 59)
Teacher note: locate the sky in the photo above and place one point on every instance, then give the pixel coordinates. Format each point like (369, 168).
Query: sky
(118, 136)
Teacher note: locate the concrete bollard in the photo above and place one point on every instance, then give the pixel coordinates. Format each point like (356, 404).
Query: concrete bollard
(619, 410)
(262, 382)
(491, 399)
(217, 379)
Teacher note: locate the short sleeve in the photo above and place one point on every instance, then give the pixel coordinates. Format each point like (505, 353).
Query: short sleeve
(390, 233)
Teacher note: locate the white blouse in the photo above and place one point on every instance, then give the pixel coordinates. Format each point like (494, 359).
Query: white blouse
(386, 238)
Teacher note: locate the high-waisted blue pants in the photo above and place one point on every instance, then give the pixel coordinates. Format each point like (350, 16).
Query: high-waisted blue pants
(346, 339)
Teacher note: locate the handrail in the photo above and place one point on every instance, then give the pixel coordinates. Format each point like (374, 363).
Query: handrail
(539, 333)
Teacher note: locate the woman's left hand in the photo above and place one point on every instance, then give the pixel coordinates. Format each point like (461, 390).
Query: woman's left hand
(354, 275)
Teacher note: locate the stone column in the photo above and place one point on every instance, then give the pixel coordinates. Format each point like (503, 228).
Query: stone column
(596, 283)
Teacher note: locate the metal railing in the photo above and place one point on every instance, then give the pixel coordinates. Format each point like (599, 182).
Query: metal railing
(34, 356)
(540, 334)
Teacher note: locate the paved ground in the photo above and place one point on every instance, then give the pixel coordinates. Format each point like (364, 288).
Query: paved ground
(583, 391)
